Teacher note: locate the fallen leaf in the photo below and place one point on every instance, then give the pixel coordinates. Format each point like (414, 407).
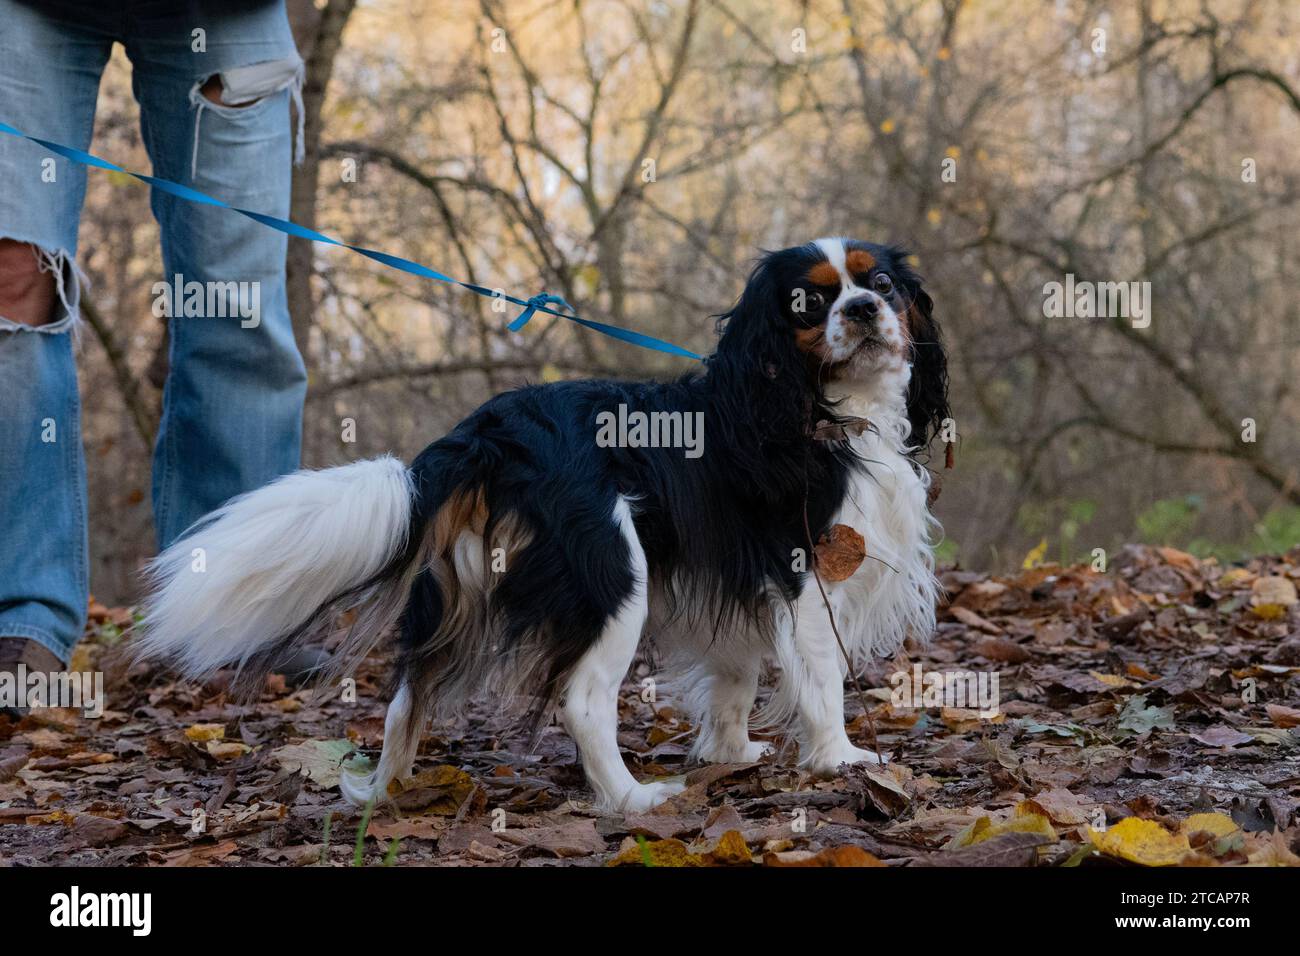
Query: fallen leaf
(568, 839)
(1059, 805)
(971, 619)
(1269, 612)
(227, 750)
(1283, 716)
(1025, 821)
(1010, 848)
(839, 553)
(1273, 590)
(1141, 719)
(831, 856)
(408, 828)
(1142, 841)
(1113, 680)
(439, 790)
(1218, 824)
(96, 830)
(1222, 735)
(961, 721)
(729, 849)
(320, 760)
(642, 852)
(201, 856)
(202, 733)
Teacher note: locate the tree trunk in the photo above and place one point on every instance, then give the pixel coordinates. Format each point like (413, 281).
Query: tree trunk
(319, 35)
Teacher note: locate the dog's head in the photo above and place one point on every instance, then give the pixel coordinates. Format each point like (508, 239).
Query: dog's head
(836, 315)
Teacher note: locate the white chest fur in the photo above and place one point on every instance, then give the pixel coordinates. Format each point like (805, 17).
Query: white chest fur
(892, 593)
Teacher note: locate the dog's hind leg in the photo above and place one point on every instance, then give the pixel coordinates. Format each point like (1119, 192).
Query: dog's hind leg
(728, 689)
(402, 727)
(590, 706)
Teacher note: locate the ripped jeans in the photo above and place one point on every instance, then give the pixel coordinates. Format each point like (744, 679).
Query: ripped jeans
(232, 404)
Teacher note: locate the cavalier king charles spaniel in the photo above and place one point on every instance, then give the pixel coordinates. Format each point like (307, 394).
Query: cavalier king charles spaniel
(522, 557)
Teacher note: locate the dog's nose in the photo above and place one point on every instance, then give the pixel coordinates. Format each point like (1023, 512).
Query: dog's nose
(864, 308)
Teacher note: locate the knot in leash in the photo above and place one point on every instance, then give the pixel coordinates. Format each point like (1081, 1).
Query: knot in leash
(539, 301)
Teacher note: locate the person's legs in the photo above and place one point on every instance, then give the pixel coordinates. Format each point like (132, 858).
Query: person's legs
(49, 79)
(232, 406)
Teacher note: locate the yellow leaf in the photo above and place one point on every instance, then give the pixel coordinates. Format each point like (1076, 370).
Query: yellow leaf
(227, 750)
(655, 853)
(944, 53)
(1035, 557)
(56, 816)
(1269, 612)
(201, 733)
(953, 152)
(1025, 821)
(1218, 824)
(887, 126)
(1235, 577)
(934, 216)
(730, 850)
(1142, 841)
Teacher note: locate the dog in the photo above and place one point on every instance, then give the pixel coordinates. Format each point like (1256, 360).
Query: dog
(520, 556)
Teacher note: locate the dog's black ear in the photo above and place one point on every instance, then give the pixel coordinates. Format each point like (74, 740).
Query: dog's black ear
(927, 393)
(757, 361)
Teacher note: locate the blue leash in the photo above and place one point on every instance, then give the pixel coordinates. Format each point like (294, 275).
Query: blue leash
(538, 303)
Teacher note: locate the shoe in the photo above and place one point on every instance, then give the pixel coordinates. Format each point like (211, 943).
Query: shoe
(34, 656)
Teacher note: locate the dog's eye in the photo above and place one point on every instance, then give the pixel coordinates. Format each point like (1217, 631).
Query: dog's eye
(814, 302)
(883, 284)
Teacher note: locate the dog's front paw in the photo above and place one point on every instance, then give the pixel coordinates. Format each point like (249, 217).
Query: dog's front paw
(751, 751)
(646, 795)
(830, 759)
(756, 750)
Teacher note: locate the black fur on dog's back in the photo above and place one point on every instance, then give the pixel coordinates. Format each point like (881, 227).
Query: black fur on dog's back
(717, 531)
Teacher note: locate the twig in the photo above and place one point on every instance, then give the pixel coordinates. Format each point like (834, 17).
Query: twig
(848, 661)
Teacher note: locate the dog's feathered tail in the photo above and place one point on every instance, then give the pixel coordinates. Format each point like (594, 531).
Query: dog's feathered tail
(274, 567)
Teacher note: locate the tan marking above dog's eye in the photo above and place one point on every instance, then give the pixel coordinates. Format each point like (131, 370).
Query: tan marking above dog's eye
(823, 273)
(859, 260)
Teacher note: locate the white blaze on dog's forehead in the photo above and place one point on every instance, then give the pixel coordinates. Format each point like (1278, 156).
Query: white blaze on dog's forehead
(835, 251)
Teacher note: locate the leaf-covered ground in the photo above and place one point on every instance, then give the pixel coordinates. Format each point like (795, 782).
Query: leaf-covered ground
(1148, 715)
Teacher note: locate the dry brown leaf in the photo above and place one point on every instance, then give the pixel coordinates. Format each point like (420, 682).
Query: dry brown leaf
(840, 552)
(1283, 716)
(831, 856)
(971, 619)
